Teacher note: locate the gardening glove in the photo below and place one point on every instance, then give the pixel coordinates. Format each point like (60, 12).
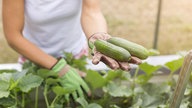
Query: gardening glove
(113, 64)
(70, 79)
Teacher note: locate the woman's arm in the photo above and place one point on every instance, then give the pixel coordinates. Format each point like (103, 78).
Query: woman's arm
(13, 22)
(93, 22)
(92, 18)
(94, 26)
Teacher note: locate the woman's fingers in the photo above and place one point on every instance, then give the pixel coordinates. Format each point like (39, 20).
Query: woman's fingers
(104, 36)
(96, 57)
(113, 64)
(96, 36)
(124, 66)
(110, 62)
(135, 60)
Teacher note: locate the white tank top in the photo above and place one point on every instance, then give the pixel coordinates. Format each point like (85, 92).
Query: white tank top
(54, 25)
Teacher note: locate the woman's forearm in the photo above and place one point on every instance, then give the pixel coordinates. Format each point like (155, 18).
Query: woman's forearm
(13, 23)
(31, 52)
(92, 19)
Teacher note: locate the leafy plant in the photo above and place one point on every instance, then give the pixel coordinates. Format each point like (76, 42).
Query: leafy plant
(110, 88)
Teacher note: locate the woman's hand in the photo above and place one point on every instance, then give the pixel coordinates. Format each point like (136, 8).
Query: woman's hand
(113, 64)
(71, 80)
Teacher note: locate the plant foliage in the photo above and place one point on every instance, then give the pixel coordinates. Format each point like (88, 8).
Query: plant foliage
(109, 88)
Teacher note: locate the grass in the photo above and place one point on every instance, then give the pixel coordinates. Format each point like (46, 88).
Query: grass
(135, 21)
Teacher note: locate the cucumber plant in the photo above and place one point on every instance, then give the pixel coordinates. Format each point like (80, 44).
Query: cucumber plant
(110, 88)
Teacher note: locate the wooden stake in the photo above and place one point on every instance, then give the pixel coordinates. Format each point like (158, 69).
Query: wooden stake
(184, 76)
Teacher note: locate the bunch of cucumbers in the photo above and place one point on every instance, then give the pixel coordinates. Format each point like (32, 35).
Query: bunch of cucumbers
(121, 49)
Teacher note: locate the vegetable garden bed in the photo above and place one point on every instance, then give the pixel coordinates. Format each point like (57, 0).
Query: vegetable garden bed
(149, 85)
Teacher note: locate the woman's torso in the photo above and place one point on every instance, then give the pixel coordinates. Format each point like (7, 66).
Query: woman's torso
(54, 25)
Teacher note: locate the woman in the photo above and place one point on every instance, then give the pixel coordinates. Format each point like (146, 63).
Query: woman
(41, 30)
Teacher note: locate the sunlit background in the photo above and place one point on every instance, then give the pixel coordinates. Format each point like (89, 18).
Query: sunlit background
(135, 20)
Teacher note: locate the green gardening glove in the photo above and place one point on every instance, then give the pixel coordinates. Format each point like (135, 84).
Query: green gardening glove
(70, 79)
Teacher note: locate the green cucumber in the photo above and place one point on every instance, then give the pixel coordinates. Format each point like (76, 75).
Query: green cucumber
(113, 51)
(134, 49)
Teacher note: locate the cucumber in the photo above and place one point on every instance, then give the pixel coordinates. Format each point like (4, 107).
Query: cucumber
(134, 49)
(113, 51)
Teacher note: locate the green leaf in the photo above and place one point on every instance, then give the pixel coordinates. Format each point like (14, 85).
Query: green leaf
(126, 76)
(79, 63)
(18, 75)
(7, 102)
(52, 81)
(29, 81)
(30, 67)
(6, 76)
(156, 89)
(118, 90)
(143, 79)
(58, 106)
(4, 85)
(8, 71)
(154, 94)
(93, 105)
(14, 80)
(111, 74)
(174, 65)
(27, 64)
(68, 57)
(83, 102)
(184, 105)
(4, 93)
(95, 79)
(153, 52)
(114, 106)
(58, 90)
(163, 106)
(137, 103)
(149, 69)
(45, 73)
(117, 74)
(138, 90)
(151, 101)
(13, 84)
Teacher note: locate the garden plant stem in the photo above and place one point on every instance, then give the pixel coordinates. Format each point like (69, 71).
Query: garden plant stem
(134, 78)
(53, 102)
(23, 101)
(16, 100)
(45, 95)
(134, 81)
(36, 97)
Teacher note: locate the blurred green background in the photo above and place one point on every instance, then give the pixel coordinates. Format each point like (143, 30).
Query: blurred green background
(135, 21)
